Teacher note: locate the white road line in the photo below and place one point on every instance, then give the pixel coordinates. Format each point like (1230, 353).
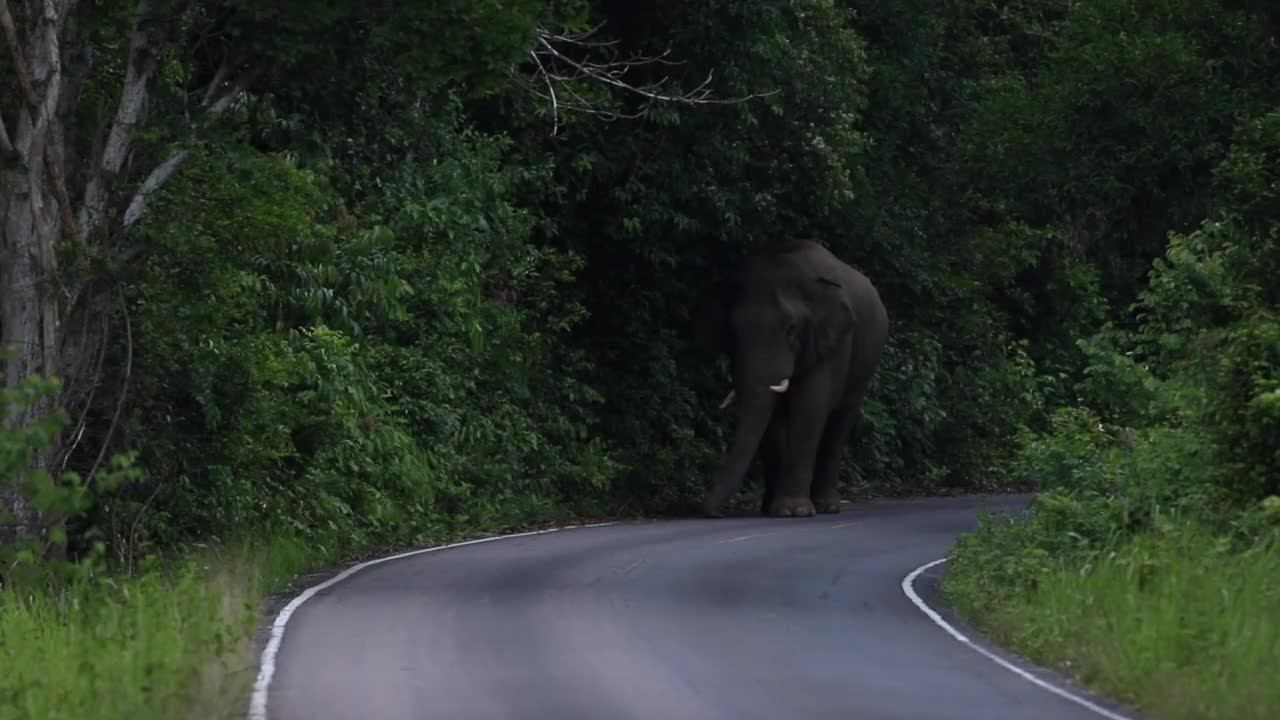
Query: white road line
(745, 537)
(908, 587)
(267, 664)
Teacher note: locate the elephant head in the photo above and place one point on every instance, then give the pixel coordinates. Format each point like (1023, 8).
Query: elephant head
(784, 320)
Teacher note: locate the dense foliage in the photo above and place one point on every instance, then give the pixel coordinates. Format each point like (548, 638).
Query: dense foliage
(383, 299)
(1146, 146)
(1173, 409)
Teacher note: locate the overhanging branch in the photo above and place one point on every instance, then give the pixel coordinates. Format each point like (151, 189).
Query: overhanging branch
(563, 61)
(551, 93)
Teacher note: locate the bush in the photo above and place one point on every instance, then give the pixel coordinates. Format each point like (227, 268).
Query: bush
(379, 372)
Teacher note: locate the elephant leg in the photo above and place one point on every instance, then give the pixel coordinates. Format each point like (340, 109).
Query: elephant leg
(772, 449)
(843, 423)
(805, 420)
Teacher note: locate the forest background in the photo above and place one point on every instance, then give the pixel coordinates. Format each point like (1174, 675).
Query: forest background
(282, 286)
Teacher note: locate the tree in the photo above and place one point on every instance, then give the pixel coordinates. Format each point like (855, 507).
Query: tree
(107, 99)
(112, 97)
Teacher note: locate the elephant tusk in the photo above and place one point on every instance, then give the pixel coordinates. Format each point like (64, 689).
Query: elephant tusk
(728, 399)
(782, 386)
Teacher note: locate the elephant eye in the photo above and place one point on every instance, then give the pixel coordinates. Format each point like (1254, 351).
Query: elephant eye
(793, 334)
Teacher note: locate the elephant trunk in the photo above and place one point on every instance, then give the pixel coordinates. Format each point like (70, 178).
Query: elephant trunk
(755, 407)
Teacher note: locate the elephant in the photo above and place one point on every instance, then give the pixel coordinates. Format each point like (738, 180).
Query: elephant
(804, 333)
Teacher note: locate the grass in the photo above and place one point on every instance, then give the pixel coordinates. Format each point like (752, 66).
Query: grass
(173, 642)
(1173, 621)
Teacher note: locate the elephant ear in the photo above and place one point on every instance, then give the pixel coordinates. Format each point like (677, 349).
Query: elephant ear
(709, 321)
(831, 319)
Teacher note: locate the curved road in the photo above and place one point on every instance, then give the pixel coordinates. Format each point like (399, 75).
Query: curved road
(738, 618)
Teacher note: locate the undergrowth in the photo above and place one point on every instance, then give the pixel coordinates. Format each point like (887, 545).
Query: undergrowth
(1175, 620)
(162, 643)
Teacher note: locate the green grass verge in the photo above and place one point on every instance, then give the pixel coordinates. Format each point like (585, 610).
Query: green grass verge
(1173, 621)
(173, 641)
(165, 643)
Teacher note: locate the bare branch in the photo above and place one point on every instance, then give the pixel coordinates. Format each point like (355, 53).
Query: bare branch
(565, 60)
(551, 94)
(610, 74)
(158, 177)
(143, 62)
(583, 108)
(636, 59)
(583, 38)
(587, 108)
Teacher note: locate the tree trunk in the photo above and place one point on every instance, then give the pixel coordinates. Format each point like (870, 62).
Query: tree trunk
(26, 302)
(31, 218)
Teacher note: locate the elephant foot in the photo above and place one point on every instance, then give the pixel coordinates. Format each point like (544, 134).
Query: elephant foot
(791, 507)
(827, 506)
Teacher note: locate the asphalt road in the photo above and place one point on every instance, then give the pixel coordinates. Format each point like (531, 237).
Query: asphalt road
(736, 618)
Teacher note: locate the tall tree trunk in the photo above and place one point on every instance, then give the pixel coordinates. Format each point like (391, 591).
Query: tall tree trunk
(34, 205)
(28, 323)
